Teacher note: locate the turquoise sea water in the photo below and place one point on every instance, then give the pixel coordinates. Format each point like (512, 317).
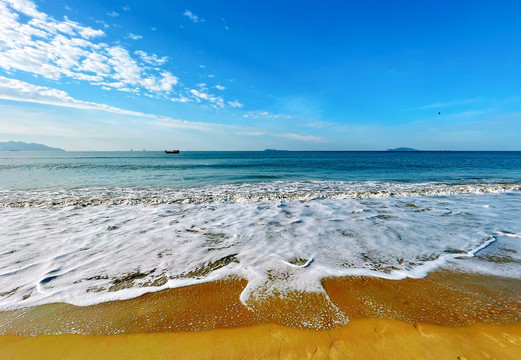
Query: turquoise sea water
(31, 170)
(73, 224)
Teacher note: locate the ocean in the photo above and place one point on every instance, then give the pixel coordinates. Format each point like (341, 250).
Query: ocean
(91, 227)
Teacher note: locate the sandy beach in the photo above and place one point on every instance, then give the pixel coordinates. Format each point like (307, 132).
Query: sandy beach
(361, 339)
(446, 315)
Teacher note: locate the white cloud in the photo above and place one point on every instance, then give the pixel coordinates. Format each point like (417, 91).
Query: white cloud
(113, 14)
(126, 69)
(64, 49)
(20, 91)
(37, 44)
(151, 59)
(219, 87)
(250, 133)
(167, 122)
(225, 24)
(235, 104)
(199, 94)
(126, 8)
(317, 124)
(181, 99)
(265, 115)
(167, 81)
(26, 8)
(216, 100)
(193, 17)
(95, 63)
(101, 22)
(304, 138)
(134, 36)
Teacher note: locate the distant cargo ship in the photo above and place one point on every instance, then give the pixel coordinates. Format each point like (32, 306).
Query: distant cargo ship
(172, 151)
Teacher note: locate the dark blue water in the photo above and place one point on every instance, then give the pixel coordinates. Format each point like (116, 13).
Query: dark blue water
(34, 170)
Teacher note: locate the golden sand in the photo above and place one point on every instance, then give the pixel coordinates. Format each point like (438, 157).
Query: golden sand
(444, 316)
(361, 339)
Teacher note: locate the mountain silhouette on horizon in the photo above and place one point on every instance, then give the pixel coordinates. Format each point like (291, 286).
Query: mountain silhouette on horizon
(22, 146)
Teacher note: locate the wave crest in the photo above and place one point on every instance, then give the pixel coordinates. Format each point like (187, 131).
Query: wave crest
(241, 193)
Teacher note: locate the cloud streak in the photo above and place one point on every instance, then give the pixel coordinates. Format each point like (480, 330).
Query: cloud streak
(304, 138)
(437, 105)
(134, 36)
(265, 115)
(16, 90)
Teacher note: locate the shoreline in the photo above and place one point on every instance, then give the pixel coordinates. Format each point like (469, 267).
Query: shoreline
(445, 298)
(445, 315)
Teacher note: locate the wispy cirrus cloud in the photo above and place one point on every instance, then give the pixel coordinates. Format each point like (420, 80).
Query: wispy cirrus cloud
(290, 136)
(235, 104)
(16, 90)
(265, 115)
(203, 95)
(445, 104)
(132, 36)
(180, 99)
(250, 133)
(225, 24)
(299, 137)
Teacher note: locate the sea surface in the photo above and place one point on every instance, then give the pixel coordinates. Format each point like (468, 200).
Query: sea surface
(89, 227)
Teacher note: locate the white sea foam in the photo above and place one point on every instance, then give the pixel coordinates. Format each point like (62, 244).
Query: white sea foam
(89, 254)
(240, 193)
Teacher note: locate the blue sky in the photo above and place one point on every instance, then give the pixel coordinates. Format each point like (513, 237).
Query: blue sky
(239, 75)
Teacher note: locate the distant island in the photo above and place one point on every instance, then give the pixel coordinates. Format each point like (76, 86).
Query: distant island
(21, 146)
(403, 149)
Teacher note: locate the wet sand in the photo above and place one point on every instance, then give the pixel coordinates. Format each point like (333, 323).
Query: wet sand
(446, 315)
(361, 339)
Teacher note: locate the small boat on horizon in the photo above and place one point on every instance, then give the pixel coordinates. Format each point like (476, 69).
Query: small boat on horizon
(172, 151)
